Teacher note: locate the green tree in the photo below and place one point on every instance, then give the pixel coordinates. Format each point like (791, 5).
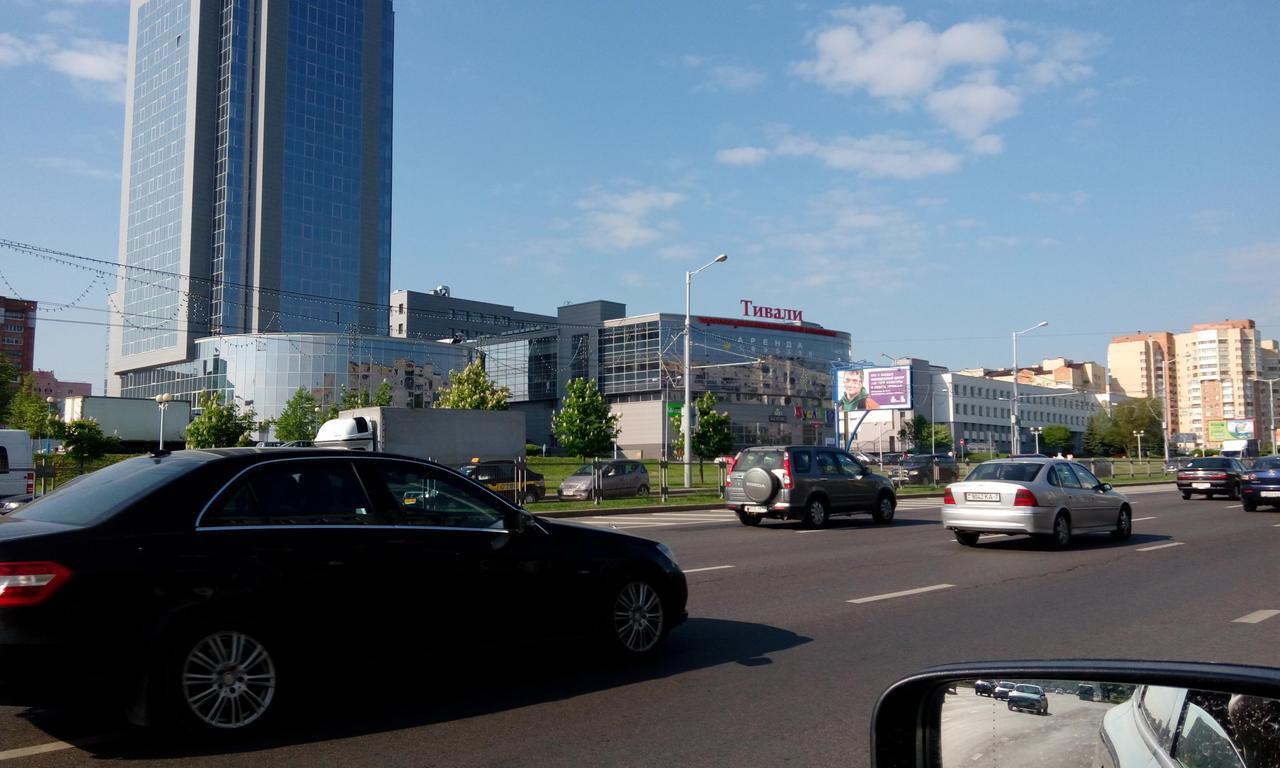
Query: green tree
(1056, 438)
(9, 381)
(915, 433)
(937, 435)
(711, 436)
(299, 420)
(219, 425)
(348, 399)
(473, 389)
(584, 426)
(1140, 414)
(1097, 436)
(382, 397)
(27, 410)
(85, 441)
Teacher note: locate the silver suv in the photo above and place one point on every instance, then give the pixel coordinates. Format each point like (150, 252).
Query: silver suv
(808, 483)
(619, 477)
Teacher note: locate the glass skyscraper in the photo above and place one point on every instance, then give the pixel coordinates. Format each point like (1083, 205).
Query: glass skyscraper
(257, 175)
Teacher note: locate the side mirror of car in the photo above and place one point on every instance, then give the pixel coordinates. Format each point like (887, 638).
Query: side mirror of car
(1104, 487)
(939, 718)
(518, 521)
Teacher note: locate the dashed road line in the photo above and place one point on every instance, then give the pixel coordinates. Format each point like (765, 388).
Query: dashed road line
(1161, 546)
(1256, 616)
(708, 568)
(1140, 519)
(53, 746)
(903, 593)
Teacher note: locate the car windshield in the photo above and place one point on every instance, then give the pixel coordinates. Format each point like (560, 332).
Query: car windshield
(1019, 472)
(585, 469)
(1270, 462)
(97, 496)
(1209, 463)
(1028, 689)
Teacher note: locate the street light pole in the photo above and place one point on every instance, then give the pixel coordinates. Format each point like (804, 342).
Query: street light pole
(1014, 443)
(162, 402)
(687, 412)
(1036, 431)
(1271, 390)
(1138, 433)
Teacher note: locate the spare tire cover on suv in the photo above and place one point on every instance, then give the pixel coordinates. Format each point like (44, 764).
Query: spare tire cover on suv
(760, 485)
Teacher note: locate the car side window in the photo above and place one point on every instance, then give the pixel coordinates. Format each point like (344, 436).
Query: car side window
(1052, 477)
(4, 460)
(294, 493)
(849, 466)
(426, 496)
(1202, 740)
(1086, 477)
(827, 463)
(1066, 478)
(1162, 709)
(802, 461)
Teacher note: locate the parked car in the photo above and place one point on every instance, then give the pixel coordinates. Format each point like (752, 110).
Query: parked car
(1211, 475)
(920, 470)
(1084, 692)
(983, 688)
(1051, 499)
(205, 587)
(499, 476)
(17, 465)
(802, 482)
(619, 477)
(1177, 464)
(1025, 696)
(1160, 726)
(1003, 689)
(1261, 484)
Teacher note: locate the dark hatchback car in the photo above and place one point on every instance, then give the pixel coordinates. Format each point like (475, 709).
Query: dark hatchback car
(1211, 475)
(800, 482)
(1261, 484)
(921, 470)
(201, 587)
(499, 476)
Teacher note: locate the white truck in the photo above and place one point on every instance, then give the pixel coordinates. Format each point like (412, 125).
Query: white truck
(450, 437)
(135, 421)
(17, 466)
(1239, 449)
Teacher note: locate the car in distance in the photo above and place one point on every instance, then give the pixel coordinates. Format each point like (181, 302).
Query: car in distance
(919, 469)
(204, 587)
(983, 688)
(499, 476)
(1031, 698)
(1210, 476)
(1003, 689)
(618, 477)
(1050, 499)
(1084, 692)
(1261, 484)
(807, 483)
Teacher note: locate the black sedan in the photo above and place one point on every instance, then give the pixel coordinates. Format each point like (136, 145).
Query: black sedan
(1211, 475)
(202, 586)
(1261, 484)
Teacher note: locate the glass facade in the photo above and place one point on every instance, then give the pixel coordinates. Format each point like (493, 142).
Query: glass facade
(153, 230)
(264, 370)
(232, 214)
(527, 367)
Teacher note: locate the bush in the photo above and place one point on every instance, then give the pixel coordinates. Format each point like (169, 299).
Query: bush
(532, 449)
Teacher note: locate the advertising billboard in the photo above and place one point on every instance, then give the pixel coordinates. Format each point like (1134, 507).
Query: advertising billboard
(1231, 429)
(872, 389)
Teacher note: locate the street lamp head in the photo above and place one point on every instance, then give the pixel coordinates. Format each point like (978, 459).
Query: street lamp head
(1042, 323)
(722, 257)
(50, 400)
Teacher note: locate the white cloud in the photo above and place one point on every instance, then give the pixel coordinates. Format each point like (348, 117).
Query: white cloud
(930, 202)
(75, 166)
(1072, 199)
(1063, 58)
(86, 61)
(875, 156)
(879, 51)
(634, 280)
(681, 252)
(742, 155)
(989, 144)
(618, 221)
(1211, 220)
(970, 109)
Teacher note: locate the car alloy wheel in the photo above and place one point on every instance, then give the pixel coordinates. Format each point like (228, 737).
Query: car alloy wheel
(816, 515)
(638, 617)
(1234, 493)
(1061, 531)
(1124, 525)
(642, 490)
(228, 680)
(884, 510)
(530, 497)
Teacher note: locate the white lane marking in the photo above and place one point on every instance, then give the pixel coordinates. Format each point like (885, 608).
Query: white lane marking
(708, 568)
(53, 746)
(1161, 546)
(1256, 616)
(1236, 506)
(1140, 519)
(976, 757)
(1277, 525)
(903, 593)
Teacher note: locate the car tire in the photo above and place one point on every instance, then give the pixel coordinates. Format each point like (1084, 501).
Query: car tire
(237, 660)
(1124, 525)
(531, 496)
(1250, 507)
(1186, 495)
(637, 614)
(1011, 707)
(815, 513)
(883, 511)
(749, 520)
(1234, 493)
(1061, 536)
(642, 490)
(967, 538)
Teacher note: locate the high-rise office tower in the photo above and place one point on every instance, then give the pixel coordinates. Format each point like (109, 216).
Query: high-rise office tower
(256, 192)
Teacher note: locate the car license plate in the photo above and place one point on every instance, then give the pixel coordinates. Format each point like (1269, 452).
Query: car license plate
(1201, 485)
(1270, 494)
(982, 497)
(754, 508)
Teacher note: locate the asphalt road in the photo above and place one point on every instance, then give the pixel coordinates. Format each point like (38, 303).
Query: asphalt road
(979, 730)
(776, 666)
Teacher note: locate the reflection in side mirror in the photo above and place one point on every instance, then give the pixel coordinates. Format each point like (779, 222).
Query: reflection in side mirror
(1153, 714)
(1105, 487)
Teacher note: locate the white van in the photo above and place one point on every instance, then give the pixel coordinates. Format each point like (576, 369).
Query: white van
(17, 468)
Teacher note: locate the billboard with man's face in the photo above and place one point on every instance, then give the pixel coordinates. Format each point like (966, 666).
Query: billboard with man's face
(873, 389)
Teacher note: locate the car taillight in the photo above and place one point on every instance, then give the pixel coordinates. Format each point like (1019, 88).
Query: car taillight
(1025, 498)
(1215, 476)
(786, 470)
(947, 498)
(31, 483)
(728, 465)
(30, 583)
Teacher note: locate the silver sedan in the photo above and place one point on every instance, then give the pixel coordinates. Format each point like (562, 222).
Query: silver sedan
(1047, 498)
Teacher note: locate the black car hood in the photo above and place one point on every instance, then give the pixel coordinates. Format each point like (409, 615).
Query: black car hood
(584, 532)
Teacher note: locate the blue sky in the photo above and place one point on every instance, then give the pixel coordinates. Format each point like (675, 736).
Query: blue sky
(927, 176)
